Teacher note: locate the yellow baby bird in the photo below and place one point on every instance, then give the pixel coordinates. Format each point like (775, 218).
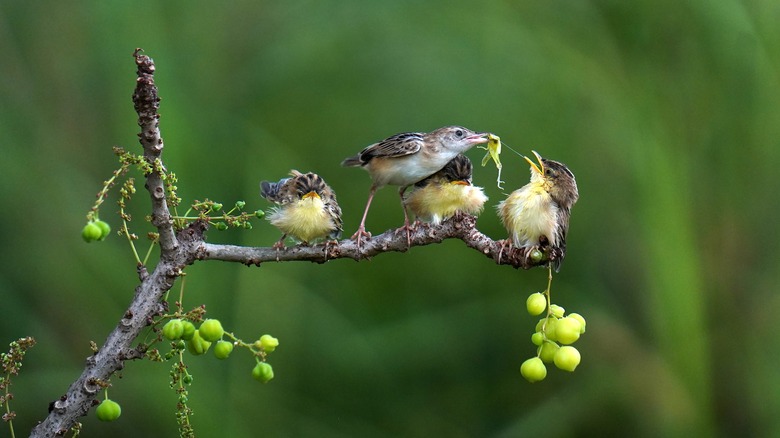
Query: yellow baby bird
(446, 193)
(307, 207)
(537, 215)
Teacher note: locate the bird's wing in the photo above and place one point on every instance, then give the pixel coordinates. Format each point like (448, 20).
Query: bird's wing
(563, 228)
(278, 192)
(398, 145)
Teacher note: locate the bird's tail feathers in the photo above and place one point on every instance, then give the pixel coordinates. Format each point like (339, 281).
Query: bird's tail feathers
(352, 161)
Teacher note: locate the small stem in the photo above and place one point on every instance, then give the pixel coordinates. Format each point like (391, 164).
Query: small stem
(181, 294)
(129, 239)
(8, 406)
(104, 191)
(149, 252)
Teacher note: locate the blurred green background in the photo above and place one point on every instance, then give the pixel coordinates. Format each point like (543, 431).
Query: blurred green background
(667, 112)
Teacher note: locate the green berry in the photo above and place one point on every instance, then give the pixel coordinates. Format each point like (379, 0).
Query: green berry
(91, 232)
(547, 351)
(197, 345)
(189, 330)
(173, 329)
(536, 303)
(222, 349)
(536, 256)
(567, 358)
(108, 410)
(268, 343)
(211, 330)
(263, 372)
(533, 370)
(216, 206)
(105, 229)
(259, 214)
(240, 204)
(557, 310)
(221, 226)
(550, 327)
(567, 330)
(579, 318)
(537, 338)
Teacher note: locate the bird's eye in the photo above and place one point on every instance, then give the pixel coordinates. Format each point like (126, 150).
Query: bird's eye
(459, 133)
(548, 172)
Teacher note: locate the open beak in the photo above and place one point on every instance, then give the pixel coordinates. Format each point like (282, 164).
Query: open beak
(478, 138)
(540, 168)
(311, 194)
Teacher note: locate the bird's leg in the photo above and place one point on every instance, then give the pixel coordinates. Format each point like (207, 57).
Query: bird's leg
(280, 244)
(506, 243)
(362, 228)
(406, 226)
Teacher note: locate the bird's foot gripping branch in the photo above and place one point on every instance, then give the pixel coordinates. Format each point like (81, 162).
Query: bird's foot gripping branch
(158, 327)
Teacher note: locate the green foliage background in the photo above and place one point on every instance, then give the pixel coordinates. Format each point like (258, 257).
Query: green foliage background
(667, 112)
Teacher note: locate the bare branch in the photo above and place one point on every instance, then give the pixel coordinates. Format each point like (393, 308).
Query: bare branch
(147, 102)
(463, 228)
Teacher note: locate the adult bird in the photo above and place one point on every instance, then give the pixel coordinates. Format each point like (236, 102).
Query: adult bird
(409, 157)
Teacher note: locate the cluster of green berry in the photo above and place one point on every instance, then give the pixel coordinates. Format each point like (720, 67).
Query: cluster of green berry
(198, 341)
(95, 230)
(553, 336)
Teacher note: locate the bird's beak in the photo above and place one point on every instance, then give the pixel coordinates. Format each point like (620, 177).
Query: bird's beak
(478, 138)
(311, 194)
(540, 168)
(461, 182)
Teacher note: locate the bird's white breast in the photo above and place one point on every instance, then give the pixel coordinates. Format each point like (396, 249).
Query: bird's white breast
(532, 213)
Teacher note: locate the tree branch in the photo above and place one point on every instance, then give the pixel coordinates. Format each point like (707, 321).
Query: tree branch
(175, 255)
(147, 102)
(463, 228)
(182, 249)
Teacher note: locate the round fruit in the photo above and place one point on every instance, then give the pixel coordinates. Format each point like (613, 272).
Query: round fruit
(173, 329)
(105, 229)
(567, 358)
(197, 345)
(550, 328)
(579, 318)
(108, 410)
(91, 232)
(536, 303)
(537, 338)
(547, 351)
(557, 310)
(211, 330)
(222, 349)
(536, 256)
(189, 330)
(533, 370)
(263, 372)
(268, 343)
(567, 330)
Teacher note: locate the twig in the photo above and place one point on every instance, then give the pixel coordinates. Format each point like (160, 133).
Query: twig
(462, 228)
